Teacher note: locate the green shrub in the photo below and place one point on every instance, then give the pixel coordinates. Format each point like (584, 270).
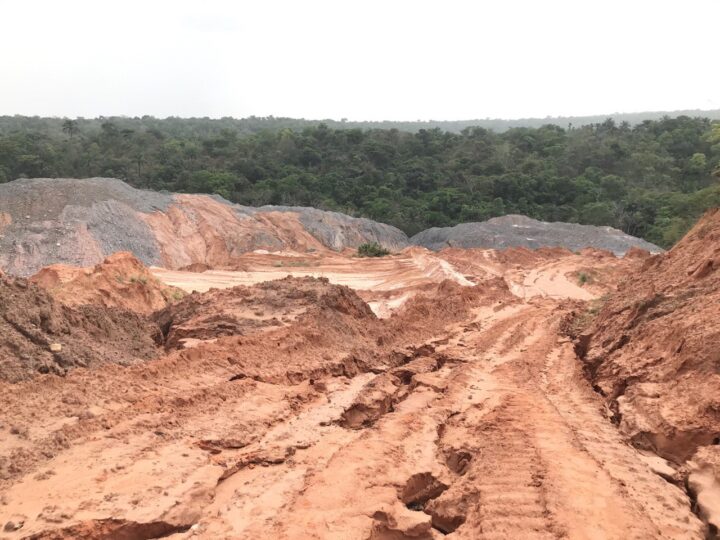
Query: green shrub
(372, 249)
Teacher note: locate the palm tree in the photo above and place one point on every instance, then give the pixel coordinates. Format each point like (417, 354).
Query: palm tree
(70, 127)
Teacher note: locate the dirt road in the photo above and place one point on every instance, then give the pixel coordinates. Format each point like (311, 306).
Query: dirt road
(494, 435)
(488, 431)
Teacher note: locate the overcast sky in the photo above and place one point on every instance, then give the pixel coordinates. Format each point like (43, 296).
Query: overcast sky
(357, 59)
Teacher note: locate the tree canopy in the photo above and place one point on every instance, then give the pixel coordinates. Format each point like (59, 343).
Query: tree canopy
(651, 180)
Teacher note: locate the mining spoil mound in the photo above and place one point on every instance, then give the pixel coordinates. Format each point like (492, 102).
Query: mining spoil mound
(38, 334)
(521, 231)
(242, 310)
(654, 348)
(120, 280)
(79, 222)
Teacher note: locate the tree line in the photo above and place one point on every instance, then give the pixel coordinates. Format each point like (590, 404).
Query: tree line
(651, 179)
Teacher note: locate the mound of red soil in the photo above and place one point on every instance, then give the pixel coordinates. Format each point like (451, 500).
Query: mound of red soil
(40, 335)
(654, 348)
(244, 310)
(120, 280)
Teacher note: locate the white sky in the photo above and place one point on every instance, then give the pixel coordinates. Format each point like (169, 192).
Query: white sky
(358, 59)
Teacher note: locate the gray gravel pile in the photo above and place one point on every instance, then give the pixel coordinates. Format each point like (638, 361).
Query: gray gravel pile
(521, 231)
(81, 221)
(52, 220)
(338, 231)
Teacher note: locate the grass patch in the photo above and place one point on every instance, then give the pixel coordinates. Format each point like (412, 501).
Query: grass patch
(584, 278)
(372, 249)
(582, 321)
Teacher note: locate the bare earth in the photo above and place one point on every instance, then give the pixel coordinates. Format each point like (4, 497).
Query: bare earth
(454, 406)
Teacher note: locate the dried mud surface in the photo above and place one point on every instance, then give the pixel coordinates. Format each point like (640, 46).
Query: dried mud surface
(421, 396)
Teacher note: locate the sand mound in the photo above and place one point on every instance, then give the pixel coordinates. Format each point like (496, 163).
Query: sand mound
(40, 335)
(653, 348)
(119, 281)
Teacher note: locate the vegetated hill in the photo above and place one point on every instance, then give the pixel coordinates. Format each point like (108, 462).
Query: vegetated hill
(522, 231)
(651, 180)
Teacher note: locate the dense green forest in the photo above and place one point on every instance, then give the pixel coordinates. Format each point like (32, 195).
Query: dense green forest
(203, 127)
(651, 179)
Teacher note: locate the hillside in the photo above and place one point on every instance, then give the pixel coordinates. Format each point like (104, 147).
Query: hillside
(81, 222)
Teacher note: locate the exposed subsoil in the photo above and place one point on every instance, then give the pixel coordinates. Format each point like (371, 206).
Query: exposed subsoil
(415, 396)
(654, 352)
(39, 334)
(119, 281)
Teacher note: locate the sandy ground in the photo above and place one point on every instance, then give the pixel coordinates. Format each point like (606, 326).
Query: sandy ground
(397, 278)
(411, 267)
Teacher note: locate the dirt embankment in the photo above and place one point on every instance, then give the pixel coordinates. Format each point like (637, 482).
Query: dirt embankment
(654, 349)
(79, 222)
(119, 281)
(38, 334)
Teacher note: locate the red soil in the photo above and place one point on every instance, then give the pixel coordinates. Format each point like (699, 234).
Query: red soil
(288, 409)
(119, 281)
